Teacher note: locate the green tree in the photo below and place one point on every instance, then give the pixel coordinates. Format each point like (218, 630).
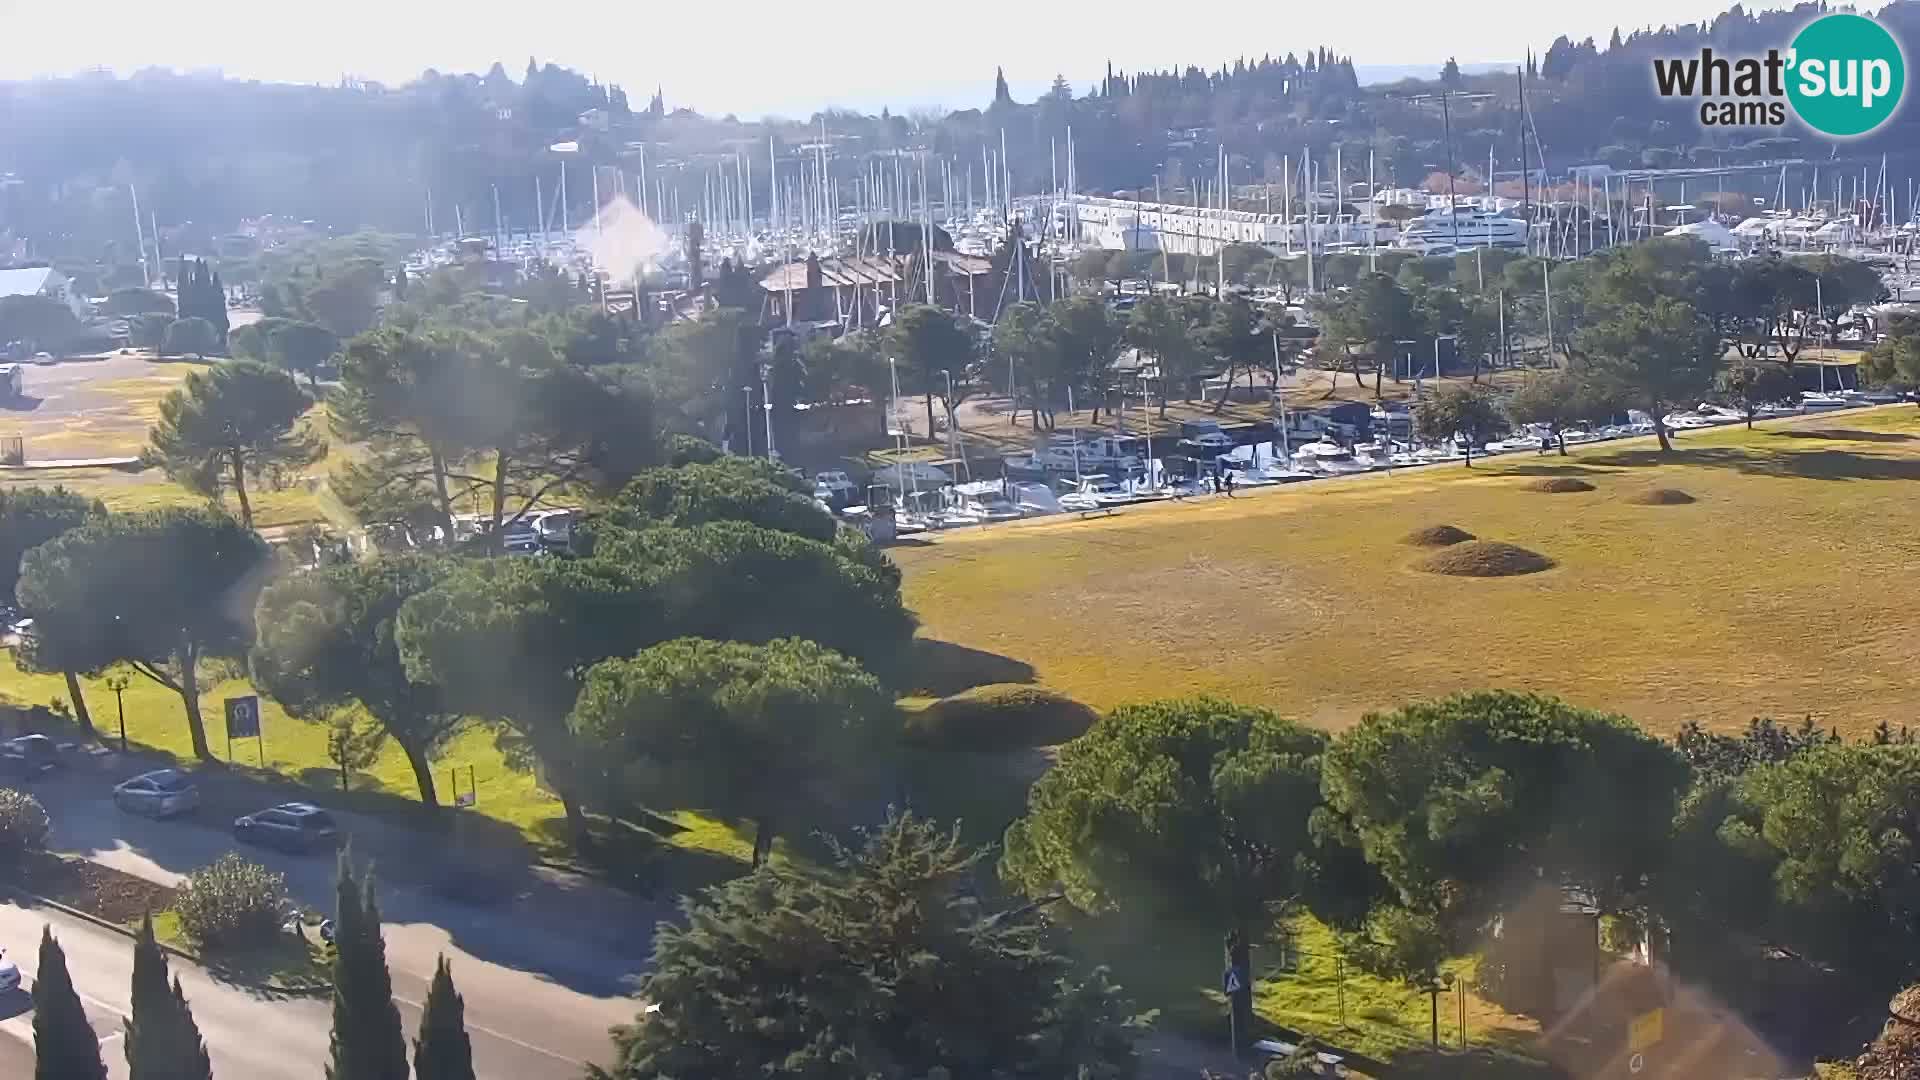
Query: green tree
(1089, 339)
(1453, 799)
(1894, 360)
(1027, 341)
(125, 303)
(731, 489)
(191, 336)
(763, 732)
(327, 643)
(891, 965)
(1468, 412)
(1155, 327)
(149, 332)
(345, 303)
(40, 321)
(1652, 356)
(162, 1041)
(399, 395)
(164, 591)
(1191, 809)
(241, 419)
(30, 517)
(1843, 284)
(353, 745)
(1557, 399)
(1750, 386)
(929, 344)
(845, 368)
(443, 1051)
(367, 1042)
(301, 348)
(1236, 335)
(1450, 74)
(509, 641)
(65, 1045)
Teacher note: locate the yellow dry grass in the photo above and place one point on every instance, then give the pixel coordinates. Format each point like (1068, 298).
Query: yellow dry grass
(1786, 590)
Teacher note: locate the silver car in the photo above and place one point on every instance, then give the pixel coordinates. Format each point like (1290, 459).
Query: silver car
(158, 794)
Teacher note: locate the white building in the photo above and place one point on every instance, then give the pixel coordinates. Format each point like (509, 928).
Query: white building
(43, 281)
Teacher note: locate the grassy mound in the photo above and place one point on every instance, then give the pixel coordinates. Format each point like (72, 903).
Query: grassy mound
(999, 718)
(1437, 536)
(1556, 485)
(1662, 497)
(1485, 558)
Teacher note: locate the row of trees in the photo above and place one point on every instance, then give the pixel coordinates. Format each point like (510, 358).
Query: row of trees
(1415, 831)
(164, 1043)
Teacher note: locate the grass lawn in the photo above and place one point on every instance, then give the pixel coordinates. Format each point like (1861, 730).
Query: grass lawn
(1178, 971)
(295, 750)
(1784, 591)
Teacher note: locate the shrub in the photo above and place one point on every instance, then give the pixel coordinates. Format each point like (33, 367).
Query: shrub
(1437, 536)
(232, 904)
(23, 825)
(999, 718)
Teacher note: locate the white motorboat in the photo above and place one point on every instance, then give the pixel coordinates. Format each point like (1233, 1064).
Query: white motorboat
(1684, 421)
(1814, 400)
(991, 508)
(1096, 492)
(1328, 459)
(1572, 436)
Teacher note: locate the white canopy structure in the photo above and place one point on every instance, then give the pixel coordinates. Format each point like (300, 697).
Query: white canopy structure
(1715, 235)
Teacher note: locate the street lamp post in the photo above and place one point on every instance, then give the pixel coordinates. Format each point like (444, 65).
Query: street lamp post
(748, 391)
(118, 684)
(766, 404)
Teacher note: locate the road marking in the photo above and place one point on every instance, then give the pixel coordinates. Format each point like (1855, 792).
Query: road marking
(502, 1036)
(105, 1039)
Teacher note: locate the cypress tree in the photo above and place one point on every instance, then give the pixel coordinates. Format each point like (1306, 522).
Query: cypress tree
(163, 1042)
(65, 1046)
(367, 1043)
(442, 1052)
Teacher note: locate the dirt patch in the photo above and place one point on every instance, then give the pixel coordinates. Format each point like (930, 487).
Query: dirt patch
(1895, 1055)
(95, 889)
(1559, 485)
(1661, 497)
(1437, 536)
(1485, 558)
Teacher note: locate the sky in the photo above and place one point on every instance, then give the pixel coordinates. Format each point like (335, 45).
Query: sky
(756, 57)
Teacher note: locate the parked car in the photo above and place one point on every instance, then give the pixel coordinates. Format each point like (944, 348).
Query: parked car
(293, 827)
(9, 973)
(158, 794)
(28, 756)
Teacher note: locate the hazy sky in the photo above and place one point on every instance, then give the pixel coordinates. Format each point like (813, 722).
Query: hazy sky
(756, 57)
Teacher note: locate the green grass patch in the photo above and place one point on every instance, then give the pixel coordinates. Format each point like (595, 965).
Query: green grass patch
(1303, 599)
(1305, 990)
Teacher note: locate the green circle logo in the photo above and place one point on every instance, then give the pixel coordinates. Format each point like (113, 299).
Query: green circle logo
(1846, 75)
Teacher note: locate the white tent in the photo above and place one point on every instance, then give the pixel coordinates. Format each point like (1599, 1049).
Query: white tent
(1714, 234)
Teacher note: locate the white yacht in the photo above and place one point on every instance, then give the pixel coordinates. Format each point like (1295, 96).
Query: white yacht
(1441, 231)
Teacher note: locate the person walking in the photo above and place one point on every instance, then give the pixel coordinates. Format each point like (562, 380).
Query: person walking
(1226, 478)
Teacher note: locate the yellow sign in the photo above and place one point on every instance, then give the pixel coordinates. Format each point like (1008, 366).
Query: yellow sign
(1645, 1030)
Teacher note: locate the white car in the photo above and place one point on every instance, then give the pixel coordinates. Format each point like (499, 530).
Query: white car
(9, 973)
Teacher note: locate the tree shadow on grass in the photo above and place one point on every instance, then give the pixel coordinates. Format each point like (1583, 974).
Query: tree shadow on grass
(637, 856)
(941, 668)
(1813, 465)
(1429, 1064)
(326, 778)
(1556, 470)
(1845, 435)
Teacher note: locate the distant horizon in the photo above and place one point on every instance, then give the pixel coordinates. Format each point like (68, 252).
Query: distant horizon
(757, 60)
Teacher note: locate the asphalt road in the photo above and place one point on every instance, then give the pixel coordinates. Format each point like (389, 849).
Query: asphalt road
(541, 986)
(248, 1034)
